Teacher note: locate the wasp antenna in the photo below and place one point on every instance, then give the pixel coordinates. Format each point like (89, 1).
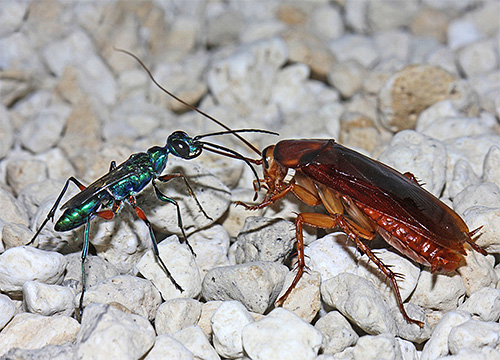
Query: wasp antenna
(197, 137)
(245, 141)
(231, 153)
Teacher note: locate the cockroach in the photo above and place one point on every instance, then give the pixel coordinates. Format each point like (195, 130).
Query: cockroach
(364, 197)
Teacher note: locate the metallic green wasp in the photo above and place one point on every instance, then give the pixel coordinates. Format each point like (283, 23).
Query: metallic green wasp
(105, 196)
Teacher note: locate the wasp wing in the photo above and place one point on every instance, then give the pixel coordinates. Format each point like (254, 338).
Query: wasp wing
(114, 176)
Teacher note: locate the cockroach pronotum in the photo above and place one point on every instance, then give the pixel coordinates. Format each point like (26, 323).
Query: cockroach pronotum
(364, 197)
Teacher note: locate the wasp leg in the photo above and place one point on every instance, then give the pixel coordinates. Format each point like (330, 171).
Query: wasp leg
(169, 177)
(50, 215)
(165, 198)
(141, 215)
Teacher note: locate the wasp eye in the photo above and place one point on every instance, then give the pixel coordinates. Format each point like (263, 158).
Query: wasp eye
(181, 148)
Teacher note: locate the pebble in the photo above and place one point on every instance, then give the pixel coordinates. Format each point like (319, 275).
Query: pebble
(107, 332)
(474, 335)
(211, 246)
(410, 91)
(399, 265)
(6, 135)
(304, 300)
(96, 270)
(438, 345)
(137, 295)
(383, 346)
(352, 70)
(47, 299)
(228, 322)
(338, 333)
(195, 341)
(12, 210)
(439, 291)
(358, 300)
(181, 264)
(166, 347)
(256, 285)
(331, 255)
(177, 314)
(213, 196)
(34, 331)
(484, 304)
(21, 264)
(7, 310)
(287, 337)
(264, 239)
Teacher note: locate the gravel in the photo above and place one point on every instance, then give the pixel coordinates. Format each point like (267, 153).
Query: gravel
(415, 84)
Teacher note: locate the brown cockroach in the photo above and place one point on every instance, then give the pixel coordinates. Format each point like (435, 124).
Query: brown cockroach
(364, 197)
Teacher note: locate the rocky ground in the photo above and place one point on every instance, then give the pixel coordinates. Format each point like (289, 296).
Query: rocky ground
(415, 84)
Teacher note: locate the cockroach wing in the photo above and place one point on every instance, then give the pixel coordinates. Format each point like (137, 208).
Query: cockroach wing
(375, 185)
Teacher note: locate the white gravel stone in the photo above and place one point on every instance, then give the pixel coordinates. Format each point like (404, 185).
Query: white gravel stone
(22, 172)
(96, 270)
(286, 337)
(438, 344)
(44, 131)
(12, 16)
(181, 264)
(48, 300)
(6, 132)
(264, 239)
(398, 265)
(207, 310)
(347, 77)
(12, 210)
(462, 32)
(355, 47)
(474, 335)
(483, 194)
(478, 58)
(13, 235)
(228, 322)
(384, 15)
(107, 332)
(478, 272)
(195, 341)
(21, 264)
(233, 83)
(7, 310)
(488, 218)
(439, 291)
(338, 334)
(166, 347)
(383, 346)
(484, 304)
(331, 255)
(420, 155)
(137, 295)
(491, 167)
(33, 331)
(358, 300)
(212, 194)
(304, 300)
(177, 314)
(256, 285)
(211, 246)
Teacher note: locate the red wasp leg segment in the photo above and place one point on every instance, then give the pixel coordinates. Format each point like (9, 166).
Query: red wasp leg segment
(390, 275)
(309, 219)
(169, 177)
(106, 214)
